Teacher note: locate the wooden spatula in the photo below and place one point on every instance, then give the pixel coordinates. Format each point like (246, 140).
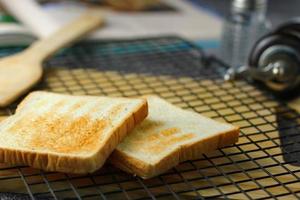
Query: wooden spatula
(19, 72)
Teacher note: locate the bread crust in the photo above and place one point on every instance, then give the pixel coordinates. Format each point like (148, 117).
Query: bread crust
(185, 152)
(75, 164)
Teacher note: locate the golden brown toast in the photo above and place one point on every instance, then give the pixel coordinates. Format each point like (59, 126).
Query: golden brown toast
(168, 136)
(67, 133)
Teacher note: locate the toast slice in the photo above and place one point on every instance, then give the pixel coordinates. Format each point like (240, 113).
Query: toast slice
(65, 133)
(168, 136)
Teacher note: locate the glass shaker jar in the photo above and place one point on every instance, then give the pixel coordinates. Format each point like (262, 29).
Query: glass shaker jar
(244, 25)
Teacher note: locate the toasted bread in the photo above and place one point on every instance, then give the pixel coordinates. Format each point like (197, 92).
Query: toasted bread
(169, 135)
(64, 133)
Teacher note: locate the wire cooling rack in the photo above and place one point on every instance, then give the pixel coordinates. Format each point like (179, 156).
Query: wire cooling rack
(264, 164)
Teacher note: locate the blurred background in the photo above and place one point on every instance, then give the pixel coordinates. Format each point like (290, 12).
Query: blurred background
(227, 29)
(278, 11)
(198, 20)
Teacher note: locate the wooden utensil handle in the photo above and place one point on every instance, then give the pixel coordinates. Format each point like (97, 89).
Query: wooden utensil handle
(44, 48)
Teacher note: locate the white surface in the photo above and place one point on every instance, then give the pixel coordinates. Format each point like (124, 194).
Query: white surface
(188, 21)
(31, 15)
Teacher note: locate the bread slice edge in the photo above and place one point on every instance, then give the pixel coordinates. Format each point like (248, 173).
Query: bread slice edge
(183, 153)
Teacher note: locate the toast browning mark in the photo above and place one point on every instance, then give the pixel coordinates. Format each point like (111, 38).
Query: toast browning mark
(62, 133)
(67, 135)
(116, 110)
(169, 131)
(21, 123)
(157, 142)
(165, 144)
(157, 137)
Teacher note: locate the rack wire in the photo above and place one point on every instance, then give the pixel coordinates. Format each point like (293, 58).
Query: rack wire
(264, 164)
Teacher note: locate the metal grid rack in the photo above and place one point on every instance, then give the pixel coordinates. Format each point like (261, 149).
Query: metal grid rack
(264, 164)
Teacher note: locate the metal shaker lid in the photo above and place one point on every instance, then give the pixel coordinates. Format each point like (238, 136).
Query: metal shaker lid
(248, 5)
